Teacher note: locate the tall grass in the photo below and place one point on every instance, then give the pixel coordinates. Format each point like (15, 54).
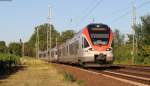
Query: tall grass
(69, 77)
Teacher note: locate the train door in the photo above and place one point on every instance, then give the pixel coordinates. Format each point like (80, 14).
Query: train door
(85, 44)
(84, 47)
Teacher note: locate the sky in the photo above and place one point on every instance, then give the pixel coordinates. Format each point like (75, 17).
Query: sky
(19, 17)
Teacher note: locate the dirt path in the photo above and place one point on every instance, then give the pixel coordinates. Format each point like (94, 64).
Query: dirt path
(36, 74)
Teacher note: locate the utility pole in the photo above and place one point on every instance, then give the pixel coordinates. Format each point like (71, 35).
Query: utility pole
(47, 40)
(133, 29)
(22, 48)
(71, 23)
(37, 42)
(50, 28)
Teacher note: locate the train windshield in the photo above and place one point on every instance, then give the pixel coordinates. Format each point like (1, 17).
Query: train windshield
(99, 34)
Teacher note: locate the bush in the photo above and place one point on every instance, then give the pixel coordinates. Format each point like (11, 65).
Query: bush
(8, 61)
(147, 61)
(122, 54)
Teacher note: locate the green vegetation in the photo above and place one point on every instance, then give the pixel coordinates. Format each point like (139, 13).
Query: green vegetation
(42, 29)
(14, 48)
(30, 46)
(66, 35)
(8, 61)
(69, 77)
(123, 49)
(3, 48)
(9, 56)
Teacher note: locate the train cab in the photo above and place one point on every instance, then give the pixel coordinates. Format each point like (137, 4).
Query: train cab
(96, 44)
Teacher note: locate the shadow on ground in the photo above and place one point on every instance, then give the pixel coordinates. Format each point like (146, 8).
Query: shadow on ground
(100, 68)
(106, 68)
(6, 72)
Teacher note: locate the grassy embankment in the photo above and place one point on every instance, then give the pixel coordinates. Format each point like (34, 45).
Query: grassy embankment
(39, 73)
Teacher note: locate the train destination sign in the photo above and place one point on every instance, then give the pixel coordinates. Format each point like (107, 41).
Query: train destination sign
(99, 29)
(99, 35)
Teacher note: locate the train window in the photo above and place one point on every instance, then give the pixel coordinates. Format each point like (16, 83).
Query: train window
(76, 47)
(67, 49)
(73, 48)
(52, 54)
(59, 52)
(70, 49)
(63, 50)
(86, 44)
(99, 35)
(56, 52)
(77, 44)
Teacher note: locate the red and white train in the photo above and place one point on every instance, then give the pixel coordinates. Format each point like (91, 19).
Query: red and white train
(90, 47)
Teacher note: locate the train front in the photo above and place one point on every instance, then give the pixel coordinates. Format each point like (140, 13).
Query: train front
(97, 43)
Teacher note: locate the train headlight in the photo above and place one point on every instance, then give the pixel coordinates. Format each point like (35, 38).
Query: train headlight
(108, 49)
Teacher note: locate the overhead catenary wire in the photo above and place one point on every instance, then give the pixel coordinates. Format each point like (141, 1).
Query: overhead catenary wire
(145, 3)
(90, 11)
(128, 12)
(117, 11)
(76, 18)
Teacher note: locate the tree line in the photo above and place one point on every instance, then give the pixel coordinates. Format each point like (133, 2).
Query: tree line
(61, 37)
(30, 46)
(123, 50)
(10, 55)
(12, 48)
(122, 46)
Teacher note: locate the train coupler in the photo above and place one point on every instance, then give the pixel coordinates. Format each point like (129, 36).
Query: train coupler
(101, 58)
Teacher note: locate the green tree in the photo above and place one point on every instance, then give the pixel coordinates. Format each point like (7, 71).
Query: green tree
(29, 50)
(146, 29)
(142, 39)
(68, 34)
(120, 49)
(3, 47)
(15, 48)
(30, 45)
(118, 38)
(43, 35)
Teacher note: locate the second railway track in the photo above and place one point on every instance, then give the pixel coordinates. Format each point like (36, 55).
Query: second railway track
(137, 75)
(134, 76)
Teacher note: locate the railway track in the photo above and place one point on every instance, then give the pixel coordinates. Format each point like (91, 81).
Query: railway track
(132, 74)
(135, 75)
(135, 67)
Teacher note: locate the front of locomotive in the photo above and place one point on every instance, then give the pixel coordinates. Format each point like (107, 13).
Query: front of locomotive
(99, 38)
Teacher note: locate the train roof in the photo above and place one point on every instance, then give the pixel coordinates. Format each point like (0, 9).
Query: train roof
(97, 24)
(76, 36)
(68, 41)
